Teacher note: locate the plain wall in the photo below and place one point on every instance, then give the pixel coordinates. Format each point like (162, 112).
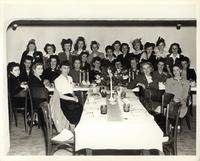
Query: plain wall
(18, 39)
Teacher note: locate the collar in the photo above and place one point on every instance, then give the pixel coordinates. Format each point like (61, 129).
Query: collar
(172, 56)
(177, 79)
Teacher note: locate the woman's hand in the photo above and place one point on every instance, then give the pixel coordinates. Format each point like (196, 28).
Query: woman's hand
(141, 84)
(75, 99)
(24, 85)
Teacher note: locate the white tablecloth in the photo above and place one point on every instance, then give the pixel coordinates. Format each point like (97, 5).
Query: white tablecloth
(136, 130)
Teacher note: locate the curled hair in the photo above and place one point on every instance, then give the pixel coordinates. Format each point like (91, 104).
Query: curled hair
(84, 53)
(124, 44)
(34, 66)
(109, 47)
(54, 57)
(64, 41)
(11, 65)
(135, 41)
(96, 59)
(116, 42)
(80, 38)
(148, 44)
(147, 63)
(179, 48)
(28, 57)
(160, 40)
(32, 41)
(76, 58)
(51, 45)
(65, 63)
(94, 43)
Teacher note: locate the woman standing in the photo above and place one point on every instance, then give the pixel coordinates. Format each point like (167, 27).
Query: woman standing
(138, 48)
(160, 51)
(94, 46)
(66, 55)
(50, 49)
(79, 46)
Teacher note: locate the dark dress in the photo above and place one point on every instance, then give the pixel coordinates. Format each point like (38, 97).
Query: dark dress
(125, 60)
(151, 59)
(160, 77)
(191, 74)
(50, 74)
(63, 57)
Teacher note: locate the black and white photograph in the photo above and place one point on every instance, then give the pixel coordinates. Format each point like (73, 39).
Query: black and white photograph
(100, 86)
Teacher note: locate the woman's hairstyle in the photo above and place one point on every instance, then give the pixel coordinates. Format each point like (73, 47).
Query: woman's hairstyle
(124, 44)
(179, 49)
(80, 38)
(94, 43)
(84, 53)
(161, 60)
(109, 47)
(51, 45)
(35, 65)
(160, 40)
(65, 63)
(179, 65)
(54, 57)
(64, 41)
(76, 58)
(134, 58)
(148, 44)
(96, 59)
(135, 41)
(116, 42)
(147, 63)
(32, 41)
(11, 65)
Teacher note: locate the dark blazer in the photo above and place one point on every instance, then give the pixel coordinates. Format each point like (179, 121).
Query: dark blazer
(125, 60)
(13, 85)
(34, 82)
(62, 57)
(86, 67)
(50, 74)
(170, 61)
(142, 79)
(191, 74)
(24, 76)
(160, 77)
(75, 75)
(152, 60)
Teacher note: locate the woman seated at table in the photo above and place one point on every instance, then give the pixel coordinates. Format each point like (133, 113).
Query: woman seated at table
(84, 58)
(160, 75)
(94, 46)
(25, 70)
(36, 85)
(53, 71)
(179, 87)
(15, 87)
(50, 49)
(133, 71)
(96, 72)
(66, 54)
(76, 70)
(147, 84)
(68, 101)
(187, 72)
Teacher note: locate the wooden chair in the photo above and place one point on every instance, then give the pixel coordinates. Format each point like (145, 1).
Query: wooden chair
(13, 110)
(171, 127)
(52, 145)
(37, 95)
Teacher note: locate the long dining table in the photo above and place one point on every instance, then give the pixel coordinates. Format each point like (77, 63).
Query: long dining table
(117, 130)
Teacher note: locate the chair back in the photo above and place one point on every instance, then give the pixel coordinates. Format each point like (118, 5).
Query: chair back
(166, 99)
(47, 124)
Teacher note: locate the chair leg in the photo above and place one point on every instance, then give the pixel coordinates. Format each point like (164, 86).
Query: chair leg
(187, 118)
(15, 116)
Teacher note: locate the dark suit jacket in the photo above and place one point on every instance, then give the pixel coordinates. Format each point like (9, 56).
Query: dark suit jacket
(50, 75)
(160, 77)
(13, 85)
(62, 57)
(24, 76)
(170, 61)
(125, 60)
(34, 82)
(142, 79)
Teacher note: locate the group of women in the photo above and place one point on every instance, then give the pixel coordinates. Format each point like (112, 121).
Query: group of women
(149, 66)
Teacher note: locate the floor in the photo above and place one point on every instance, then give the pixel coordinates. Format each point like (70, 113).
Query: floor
(22, 144)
